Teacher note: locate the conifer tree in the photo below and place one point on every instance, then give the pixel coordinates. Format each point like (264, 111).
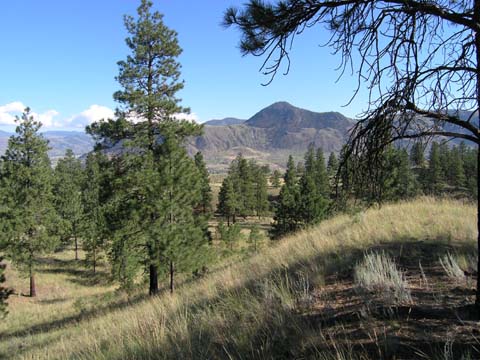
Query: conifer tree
(68, 182)
(417, 155)
(260, 184)
(457, 170)
(156, 171)
(275, 179)
(321, 175)
(29, 217)
(93, 221)
(287, 217)
(228, 202)
(435, 171)
(313, 188)
(255, 237)
(206, 191)
(229, 234)
(332, 168)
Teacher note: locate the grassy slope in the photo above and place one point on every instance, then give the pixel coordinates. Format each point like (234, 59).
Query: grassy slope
(265, 307)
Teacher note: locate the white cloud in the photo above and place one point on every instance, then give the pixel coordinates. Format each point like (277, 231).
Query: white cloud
(190, 117)
(88, 116)
(52, 119)
(10, 110)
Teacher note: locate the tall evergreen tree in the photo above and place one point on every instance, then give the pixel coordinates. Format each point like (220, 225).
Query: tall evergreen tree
(417, 155)
(321, 175)
(435, 171)
(94, 227)
(457, 171)
(275, 178)
(260, 184)
(68, 182)
(332, 167)
(150, 79)
(29, 219)
(287, 217)
(228, 202)
(313, 188)
(205, 190)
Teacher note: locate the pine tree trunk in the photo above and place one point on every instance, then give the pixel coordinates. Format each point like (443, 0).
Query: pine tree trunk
(33, 289)
(153, 289)
(76, 247)
(172, 270)
(76, 241)
(94, 260)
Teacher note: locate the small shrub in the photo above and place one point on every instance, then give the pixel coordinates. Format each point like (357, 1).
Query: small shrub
(379, 273)
(452, 269)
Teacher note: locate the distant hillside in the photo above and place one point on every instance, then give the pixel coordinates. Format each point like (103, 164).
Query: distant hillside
(60, 141)
(225, 122)
(271, 135)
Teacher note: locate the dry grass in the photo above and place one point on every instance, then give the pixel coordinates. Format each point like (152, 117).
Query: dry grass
(378, 273)
(260, 308)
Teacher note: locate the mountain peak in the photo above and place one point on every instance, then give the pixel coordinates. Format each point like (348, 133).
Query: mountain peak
(284, 116)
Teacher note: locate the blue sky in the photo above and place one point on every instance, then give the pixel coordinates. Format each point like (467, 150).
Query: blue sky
(59, 57)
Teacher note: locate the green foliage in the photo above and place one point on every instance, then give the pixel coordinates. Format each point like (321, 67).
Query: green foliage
(29, 218)
(435, 171)
(332, 169)
(287, 215)
(150, 76)
(244, 190)
(93, 224)
(314, 188)
(157, 187)
(4, 292)
(230, 235)
(205, 190)
(255, 238)
(68, 182)
(275, 178)
(417, 155)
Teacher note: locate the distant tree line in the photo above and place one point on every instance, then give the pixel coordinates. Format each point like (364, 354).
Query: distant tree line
(311, 192)
(244, 190)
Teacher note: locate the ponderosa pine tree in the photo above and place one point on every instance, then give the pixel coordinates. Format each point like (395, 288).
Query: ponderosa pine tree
(67, 189)
(255, 237)
(275, 178)
(228, 200)
(93, 219)
(260, 185)
(150, 79)
(29, 218)
(287, 210)
(205, 190)
(313, 188)
(332, 169)
(417, 155)
(435, 173)
(321, 175)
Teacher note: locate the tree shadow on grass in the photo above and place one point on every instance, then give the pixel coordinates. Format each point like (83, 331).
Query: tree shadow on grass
(375, 330)
(283, 331)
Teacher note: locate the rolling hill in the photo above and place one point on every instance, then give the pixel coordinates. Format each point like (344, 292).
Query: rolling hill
(296, 299)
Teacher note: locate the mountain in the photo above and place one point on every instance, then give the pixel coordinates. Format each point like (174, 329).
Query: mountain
(59, 142)
(271, 135)
(225, 122)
